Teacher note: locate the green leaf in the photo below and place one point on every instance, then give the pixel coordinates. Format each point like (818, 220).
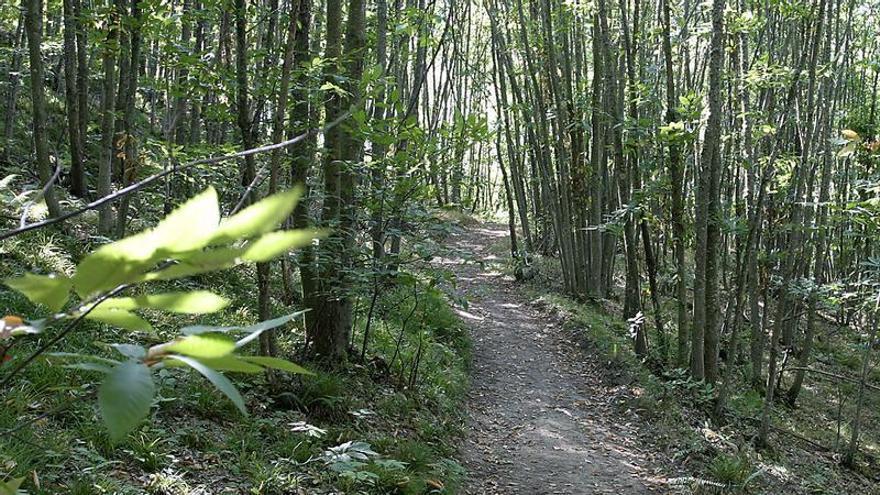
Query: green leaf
(125, 398)
(191, 226)
(51, 291)
(225, 363)
(259, 327)
(203, 346)
(112, 265)
(195, 302)
(188, 228)
(199, 262)
(131, 350)
(11, 487)
(221, 382)
(120, 318)
(261, 217)
(62, 356)
(101, 368)
(275, 244)
(278, 364)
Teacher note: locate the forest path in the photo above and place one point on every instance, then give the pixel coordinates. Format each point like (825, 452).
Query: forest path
(540, 418)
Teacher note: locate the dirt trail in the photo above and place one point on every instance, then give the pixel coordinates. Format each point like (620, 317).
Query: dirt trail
(539, 420)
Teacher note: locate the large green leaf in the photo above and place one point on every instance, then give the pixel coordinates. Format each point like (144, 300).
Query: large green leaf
(130, 350)
(113, 264)
(275, 244)
(11, 487)
(191, 226)
(125, 398)
(51, 291)
(86, 366)
(65, 356)
(194, 302)
(120, 318)
(278, 364)
(261, 217)
(85, 362)
(205, 346)
(221, 382)
(188, 228)
(199, 262)
(259, 327)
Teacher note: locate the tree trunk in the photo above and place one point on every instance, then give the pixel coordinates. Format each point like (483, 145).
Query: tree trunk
(242, 101)
(33, 20)
(71, 102)
(108, 105)
(131, 161)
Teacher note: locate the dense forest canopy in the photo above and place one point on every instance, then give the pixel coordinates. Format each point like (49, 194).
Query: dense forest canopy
(709, 171)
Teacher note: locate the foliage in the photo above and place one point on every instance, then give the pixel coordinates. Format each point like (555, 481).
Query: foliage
(127, 392)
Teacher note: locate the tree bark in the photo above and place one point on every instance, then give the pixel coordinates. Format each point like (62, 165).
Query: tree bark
(71, 102)
(33, 20)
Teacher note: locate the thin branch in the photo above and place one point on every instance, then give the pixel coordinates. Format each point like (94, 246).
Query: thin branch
(39, 196)
(153, 178)
(67, 329)
(835, 376)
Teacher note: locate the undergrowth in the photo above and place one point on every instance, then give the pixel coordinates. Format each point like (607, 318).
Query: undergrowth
(388, 424)
(708, 454)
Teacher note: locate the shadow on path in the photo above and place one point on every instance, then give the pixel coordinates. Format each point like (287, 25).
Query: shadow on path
(539, 423)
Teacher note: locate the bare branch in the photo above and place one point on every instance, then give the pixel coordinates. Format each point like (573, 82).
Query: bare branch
(153, 178)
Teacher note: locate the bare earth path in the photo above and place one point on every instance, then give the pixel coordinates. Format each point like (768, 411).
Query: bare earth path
(539, 422)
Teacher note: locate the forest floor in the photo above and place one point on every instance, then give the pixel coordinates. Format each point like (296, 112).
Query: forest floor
(543, 417)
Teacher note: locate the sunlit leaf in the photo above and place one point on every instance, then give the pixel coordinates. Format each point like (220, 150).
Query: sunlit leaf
(125, 398)
(190, 226)
(199, 262)
(202, 346)
(259, 327)
(275, 244)
(120, 318)
(111, 265)
(51, 291)
(187, 228)
(194, 302)
(263, 216)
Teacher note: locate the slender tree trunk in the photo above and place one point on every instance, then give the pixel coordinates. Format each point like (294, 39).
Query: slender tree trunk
(704, 341)
(853, 447)
(33, 20)
(131, 160)
(12, 98)
(242, 100)
(178, 130)
(82, 78)
(268, 344)
(108, 105)
(71, 102)
(713, 213)
(677, 214)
